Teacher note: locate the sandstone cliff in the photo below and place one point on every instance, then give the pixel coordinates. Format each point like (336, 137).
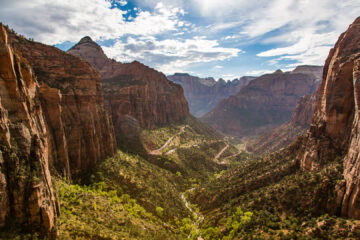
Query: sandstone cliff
(135, 95)
(80, 131)
(26, 194)
(264, 104)
(334, 131)
(203, 94)
(288, 132)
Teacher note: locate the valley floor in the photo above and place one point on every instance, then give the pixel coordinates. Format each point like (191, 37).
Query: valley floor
(194, 184)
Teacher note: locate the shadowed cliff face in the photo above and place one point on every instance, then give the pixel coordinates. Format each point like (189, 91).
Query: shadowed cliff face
(335, 127)
(265, 103)
(203, 94)
(135, 95)
(26, 195)
(288, 132)
(80, 130)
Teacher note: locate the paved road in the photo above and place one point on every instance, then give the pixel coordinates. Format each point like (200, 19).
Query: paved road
(158, 151)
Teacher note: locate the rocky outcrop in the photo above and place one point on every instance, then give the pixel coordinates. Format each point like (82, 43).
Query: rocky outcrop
(288, 132)
(264, 104)
(203, 94)
(80, 131)
(308, 69)
(26, 194)
(135, 95)
(334, 131)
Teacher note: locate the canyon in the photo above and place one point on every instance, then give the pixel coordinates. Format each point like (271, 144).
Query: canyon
(319, 172)
(203, 94)
(265, 103)
(64, 173)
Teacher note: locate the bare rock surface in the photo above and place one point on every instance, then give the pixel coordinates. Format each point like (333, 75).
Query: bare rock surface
(80, 130)
(264, 104)
(26, 194)
(134, 92)
(288, 132)
(334, 132)
(203, 94)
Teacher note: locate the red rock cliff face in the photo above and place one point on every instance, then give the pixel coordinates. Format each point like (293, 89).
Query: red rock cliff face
(288, 132)
(264, 104)
(80, 130)
(135, 95)
(335, 127)
(26, 194)
(203, 94)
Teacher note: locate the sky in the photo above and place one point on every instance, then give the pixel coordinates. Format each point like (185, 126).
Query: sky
(217, 38)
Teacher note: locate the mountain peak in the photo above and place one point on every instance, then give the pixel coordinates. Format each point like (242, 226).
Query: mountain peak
(86, 39)
(87, 49)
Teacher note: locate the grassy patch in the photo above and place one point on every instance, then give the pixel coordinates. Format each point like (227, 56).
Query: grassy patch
(97, 212)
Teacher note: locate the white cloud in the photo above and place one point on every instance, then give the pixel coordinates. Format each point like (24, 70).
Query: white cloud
(258, 72)
(301, 31)
(306, 28)
(122, 2)
(230, 37)
(170, 55)
(310, 47)
(57, 21)
(218, 67)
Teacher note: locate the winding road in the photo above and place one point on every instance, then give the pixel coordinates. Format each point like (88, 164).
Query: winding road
(158, 151)
(221, 152)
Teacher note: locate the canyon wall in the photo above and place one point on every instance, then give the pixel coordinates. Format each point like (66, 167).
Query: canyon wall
(265, 103)
(26, 194)
(334, 132)
(80, 130)
(136, 96)
(288, 132)
(203, 94)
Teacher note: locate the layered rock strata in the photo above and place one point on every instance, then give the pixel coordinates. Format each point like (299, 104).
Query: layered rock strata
(26, 194)
(264, 104)
(334, 132)
(203, 94)
(135, 95)
(288, 132)
(80, 130)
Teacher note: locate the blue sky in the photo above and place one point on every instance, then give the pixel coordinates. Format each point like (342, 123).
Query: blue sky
(218, 38)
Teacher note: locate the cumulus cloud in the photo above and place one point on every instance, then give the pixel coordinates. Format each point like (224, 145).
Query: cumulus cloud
(57, 21)
(303, 21)
(170, 55)
(285, 31)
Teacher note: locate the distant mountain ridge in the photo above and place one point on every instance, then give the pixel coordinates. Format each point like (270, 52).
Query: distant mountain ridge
(265, 103)
(203, 94)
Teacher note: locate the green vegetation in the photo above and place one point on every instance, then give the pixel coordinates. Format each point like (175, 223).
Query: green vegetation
(139, 196)
(151, 185)
(270, 198)
(98, 212)
(191, 151)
